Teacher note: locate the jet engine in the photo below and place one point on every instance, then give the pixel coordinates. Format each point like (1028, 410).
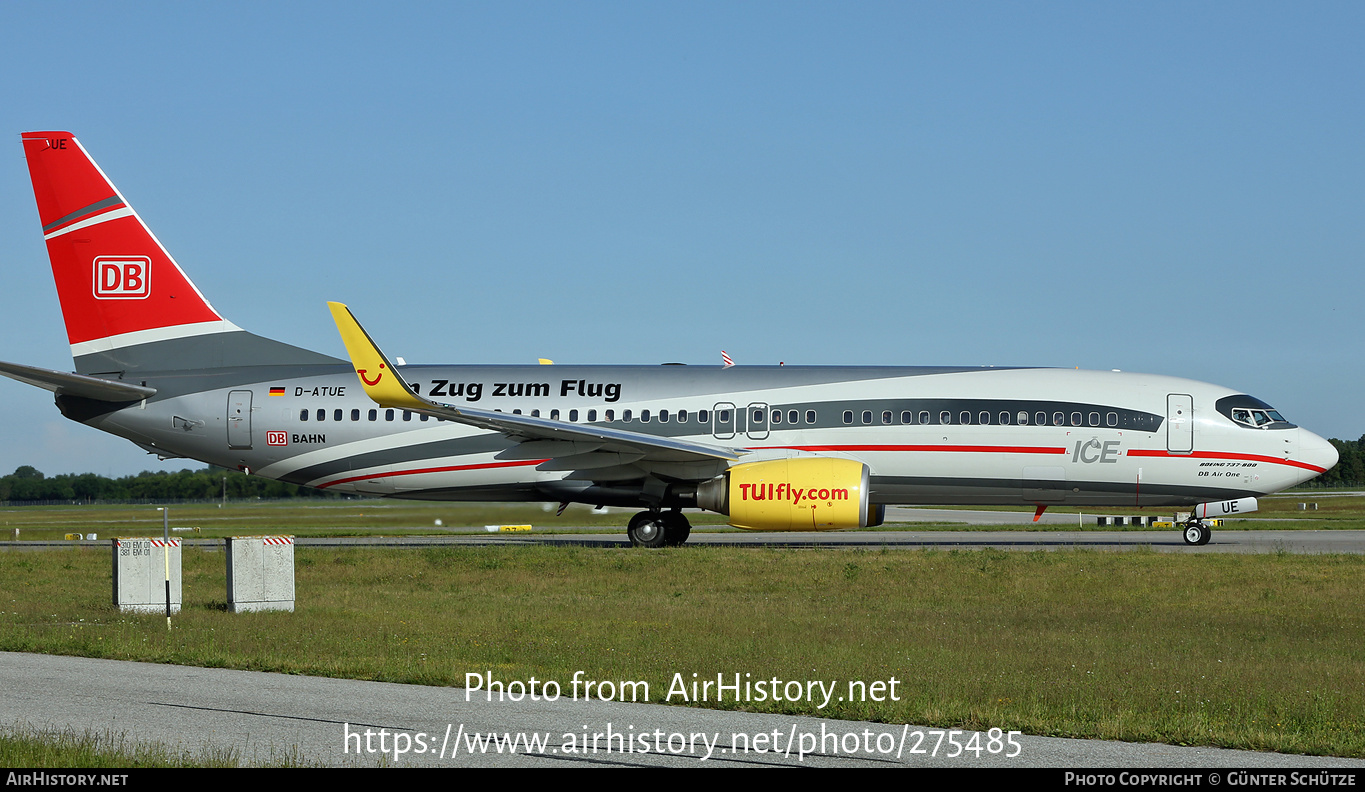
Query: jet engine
(800, 494)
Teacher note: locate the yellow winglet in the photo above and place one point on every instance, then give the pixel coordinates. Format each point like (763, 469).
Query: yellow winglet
(377, 376)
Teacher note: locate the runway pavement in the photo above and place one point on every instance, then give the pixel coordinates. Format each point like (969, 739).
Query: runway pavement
(1017, 532)
(339, 722)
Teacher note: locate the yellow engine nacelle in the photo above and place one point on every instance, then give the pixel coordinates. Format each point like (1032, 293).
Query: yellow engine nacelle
(801, 494)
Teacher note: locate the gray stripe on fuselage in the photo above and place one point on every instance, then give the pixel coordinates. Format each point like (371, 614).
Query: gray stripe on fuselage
(651, 383)
(421, 452)
(180, 375)
(112, 200)
(828, 414)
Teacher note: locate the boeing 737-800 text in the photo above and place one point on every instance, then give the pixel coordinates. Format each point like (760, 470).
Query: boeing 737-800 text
(775, 448)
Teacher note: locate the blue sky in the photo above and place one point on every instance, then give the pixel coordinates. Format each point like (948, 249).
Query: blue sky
(1173, 188)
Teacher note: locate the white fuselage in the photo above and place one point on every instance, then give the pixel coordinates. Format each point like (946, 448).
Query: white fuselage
(928, 436)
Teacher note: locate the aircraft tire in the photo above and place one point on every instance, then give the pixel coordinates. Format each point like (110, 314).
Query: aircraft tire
(648, 529)
(677, 528)
(1197, 534)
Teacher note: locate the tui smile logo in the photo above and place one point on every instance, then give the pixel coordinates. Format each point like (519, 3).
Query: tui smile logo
(366, 380)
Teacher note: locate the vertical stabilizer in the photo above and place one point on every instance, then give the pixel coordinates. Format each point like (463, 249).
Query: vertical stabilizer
(126, 302)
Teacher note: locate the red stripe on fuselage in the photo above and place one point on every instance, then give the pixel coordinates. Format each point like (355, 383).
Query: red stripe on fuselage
(1140, 452)
(967, 449)
(1135, 452)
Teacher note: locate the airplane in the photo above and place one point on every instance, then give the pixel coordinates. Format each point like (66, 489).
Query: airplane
(774, 448)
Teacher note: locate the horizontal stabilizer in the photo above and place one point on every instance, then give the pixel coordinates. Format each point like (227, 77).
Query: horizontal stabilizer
(66, 384)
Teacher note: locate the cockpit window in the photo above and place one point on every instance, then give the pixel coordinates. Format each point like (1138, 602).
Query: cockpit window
(1252, 412)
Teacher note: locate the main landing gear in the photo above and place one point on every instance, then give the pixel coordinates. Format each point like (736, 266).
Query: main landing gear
(659, 529)
(1196, 532)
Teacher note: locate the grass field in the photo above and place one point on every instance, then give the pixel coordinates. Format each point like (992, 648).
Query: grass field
(1260, 652)
(68, 750)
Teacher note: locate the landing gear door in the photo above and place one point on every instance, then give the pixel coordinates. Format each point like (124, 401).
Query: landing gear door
(239, 419)
(723, 421)
(1180, 423)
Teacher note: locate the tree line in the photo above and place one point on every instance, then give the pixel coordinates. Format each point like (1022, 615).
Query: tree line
(1349, 470)
(29, 484)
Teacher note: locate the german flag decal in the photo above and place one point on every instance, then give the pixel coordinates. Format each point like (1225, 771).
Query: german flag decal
(277, 390)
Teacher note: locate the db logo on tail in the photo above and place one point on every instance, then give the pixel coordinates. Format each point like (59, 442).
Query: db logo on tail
(123, 278)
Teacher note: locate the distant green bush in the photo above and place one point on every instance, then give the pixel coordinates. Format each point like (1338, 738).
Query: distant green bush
(1350, 469)
(29, 484)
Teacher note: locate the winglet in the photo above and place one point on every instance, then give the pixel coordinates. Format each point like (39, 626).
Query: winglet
(381, 382)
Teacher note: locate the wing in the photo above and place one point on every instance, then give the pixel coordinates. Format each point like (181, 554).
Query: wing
(591, 452)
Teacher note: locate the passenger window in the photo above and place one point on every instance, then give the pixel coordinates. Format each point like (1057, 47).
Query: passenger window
(303, 414)
(424, 417)
(573, 416)
(810, 416)
(1004, 418)
(592, 416)
(964, 418)
(945, 418)
(1059, 419)
(793, 416)
(703, 416)
(984, 418)
(554, 415)
(1112, 419)
(355, 415)
(373, 415)
(1075, 419)
(625, 416)
(388, 415)
(663, 416)
(777, 417)
(336, 415)
(322, 414)
(886, 416)
(644, 416)
(1094, 419)
(611, 416)
(924, 416)
(535, 413)
(907, 417)
(867, 416)
(407, 414)
(1040, 418)
(1022, 417)
(682, 416)
(848, 416)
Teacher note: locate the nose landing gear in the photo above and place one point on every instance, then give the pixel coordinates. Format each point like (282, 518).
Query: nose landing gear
(1196, 532)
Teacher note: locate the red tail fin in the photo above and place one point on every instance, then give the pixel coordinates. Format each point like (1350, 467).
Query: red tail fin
(118, 285)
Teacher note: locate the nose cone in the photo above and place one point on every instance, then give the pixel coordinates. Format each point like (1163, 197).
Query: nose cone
(1317, 452)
